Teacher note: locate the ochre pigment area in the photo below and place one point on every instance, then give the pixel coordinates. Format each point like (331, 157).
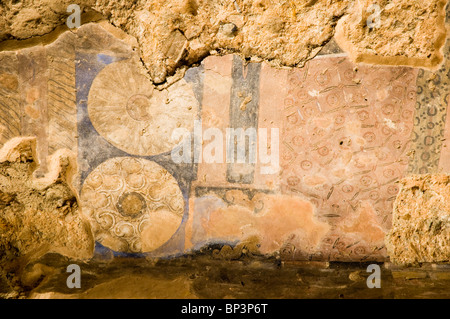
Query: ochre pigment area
(421, 221)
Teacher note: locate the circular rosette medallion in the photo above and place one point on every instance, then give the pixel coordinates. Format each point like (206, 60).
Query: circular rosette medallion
(134, 205)
(126, 109)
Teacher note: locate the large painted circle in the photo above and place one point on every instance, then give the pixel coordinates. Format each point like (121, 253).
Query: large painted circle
(134, 204)
(126, 109)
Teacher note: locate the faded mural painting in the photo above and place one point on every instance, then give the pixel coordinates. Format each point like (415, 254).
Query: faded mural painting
(347, 133)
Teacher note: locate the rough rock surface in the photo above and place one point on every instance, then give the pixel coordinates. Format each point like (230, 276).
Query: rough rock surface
(175, 34)
(38, 215)
(421, 221)
(408, 32)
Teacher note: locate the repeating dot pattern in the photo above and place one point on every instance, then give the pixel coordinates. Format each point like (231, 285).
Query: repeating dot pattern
(345, 141)
(430, 117)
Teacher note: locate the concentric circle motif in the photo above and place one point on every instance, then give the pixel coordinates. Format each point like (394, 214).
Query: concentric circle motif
(132, 115)
(134, 204)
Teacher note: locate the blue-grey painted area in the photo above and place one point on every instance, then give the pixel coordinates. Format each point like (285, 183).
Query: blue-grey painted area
(93, 149)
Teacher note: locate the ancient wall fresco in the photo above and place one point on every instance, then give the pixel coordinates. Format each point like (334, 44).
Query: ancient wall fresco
(347, 133)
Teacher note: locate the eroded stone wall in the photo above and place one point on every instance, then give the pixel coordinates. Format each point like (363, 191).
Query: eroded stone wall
(38, 215)
(175, 34)
(420, 229)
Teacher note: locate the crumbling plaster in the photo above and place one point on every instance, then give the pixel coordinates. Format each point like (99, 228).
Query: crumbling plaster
(174, 35)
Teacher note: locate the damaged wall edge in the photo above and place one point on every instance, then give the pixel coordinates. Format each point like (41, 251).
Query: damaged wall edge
(282, 34)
